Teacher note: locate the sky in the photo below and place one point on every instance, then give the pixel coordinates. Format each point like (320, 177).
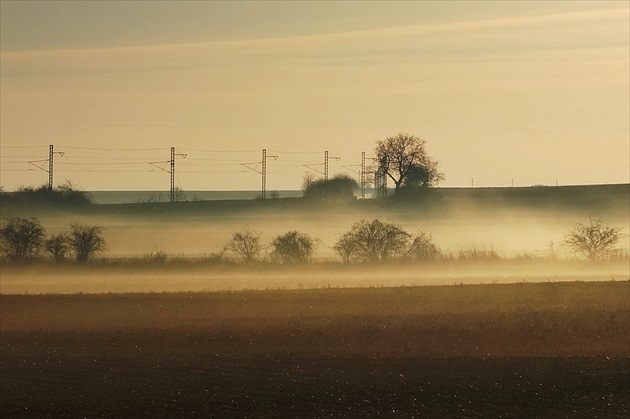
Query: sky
(513, 93)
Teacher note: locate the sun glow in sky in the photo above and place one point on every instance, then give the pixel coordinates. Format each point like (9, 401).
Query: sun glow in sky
(504, 92)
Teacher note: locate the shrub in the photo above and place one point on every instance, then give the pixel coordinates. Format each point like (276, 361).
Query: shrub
(339, 188)
(69, 194)
(423, 249)
(346, 246)
(372, 241)
(246, 243)
(593, 240)
(473, 254)
(21, 238)
(157, 256)
(66, 195)
(58, 245)
(86, 241)
(293, 247)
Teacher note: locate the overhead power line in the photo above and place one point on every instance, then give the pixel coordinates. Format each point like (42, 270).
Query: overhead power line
(114, 149)
(25, 146)
(138, 160)
(218, 151)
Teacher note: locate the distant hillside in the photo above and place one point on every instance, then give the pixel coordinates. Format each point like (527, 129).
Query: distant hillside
(588, 197)
(590, 200)
(595, 200)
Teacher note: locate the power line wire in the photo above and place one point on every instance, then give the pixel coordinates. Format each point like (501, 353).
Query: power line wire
(295, 152)
(112, 149)
(25, 146)
(218, 151)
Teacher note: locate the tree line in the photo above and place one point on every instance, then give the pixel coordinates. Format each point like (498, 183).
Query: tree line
(23, 239)
(376, 241)
(373, 241)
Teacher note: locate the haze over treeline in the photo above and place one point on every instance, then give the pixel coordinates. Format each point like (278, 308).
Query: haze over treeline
(508, 221)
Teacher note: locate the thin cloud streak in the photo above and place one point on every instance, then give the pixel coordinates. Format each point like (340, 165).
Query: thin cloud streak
(380, 34)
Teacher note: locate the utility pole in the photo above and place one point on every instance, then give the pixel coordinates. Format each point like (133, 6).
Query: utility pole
(172, 174)
(264, 174)
(262, 164)
(51, 156)
(51, 153)
(380, 177)
(363, 175)
(51, 164)
(364, 171)
(318, 167)
(162, 166)
(172, 161)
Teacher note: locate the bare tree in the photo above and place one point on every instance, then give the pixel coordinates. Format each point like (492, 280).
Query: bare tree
(593, 240)
(58, 245)
(21, 238)
(307, 181)
(423, 248)
(293, 247)
(86, 241)
(346, 246)
(408, 163)
(246, 243)
(372, 241)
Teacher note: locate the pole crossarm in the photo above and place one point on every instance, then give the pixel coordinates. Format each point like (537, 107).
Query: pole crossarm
(353, 168)
(316, 167)
(253, 169)
(162, 163)
(41, 164)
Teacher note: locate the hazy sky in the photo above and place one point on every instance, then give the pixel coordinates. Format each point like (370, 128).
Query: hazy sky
(524, 92)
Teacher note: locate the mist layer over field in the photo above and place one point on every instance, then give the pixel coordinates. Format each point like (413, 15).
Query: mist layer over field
(509, 221)
(522, 226)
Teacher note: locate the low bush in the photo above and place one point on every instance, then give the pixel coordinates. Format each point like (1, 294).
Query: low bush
(293, 247)
(339, 188)
(58, 246)
(246, 244)
(66, 195)
(86, 241)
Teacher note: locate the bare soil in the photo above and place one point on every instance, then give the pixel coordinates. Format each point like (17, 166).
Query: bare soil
(521, 350)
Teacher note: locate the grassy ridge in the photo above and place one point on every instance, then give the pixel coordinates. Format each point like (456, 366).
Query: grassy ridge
(586, 199)
(592, 199)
